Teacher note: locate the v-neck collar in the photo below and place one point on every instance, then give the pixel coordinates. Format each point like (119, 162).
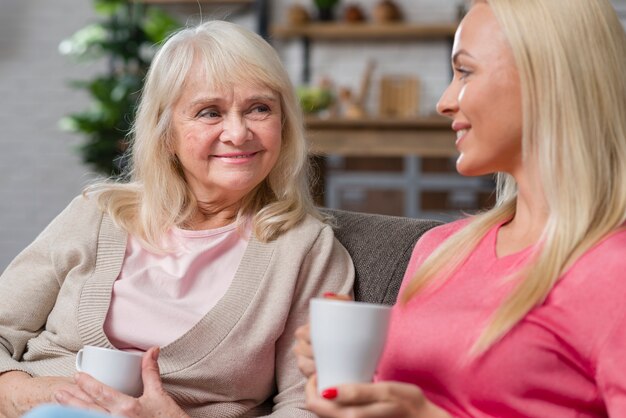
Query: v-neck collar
(95, 299)
(512, 257)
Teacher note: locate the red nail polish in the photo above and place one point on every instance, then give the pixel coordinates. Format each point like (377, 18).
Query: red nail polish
(329, 294)
(330, 393)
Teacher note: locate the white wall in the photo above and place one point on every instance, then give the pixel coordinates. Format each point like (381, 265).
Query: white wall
(40, 169)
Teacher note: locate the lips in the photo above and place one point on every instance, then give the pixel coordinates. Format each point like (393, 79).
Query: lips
(461, 129)
(236, 155)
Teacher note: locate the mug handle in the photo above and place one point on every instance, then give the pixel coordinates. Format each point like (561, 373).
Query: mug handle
(79, 360)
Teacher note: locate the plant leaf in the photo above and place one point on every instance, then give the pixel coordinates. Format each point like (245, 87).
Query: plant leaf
(158, 25)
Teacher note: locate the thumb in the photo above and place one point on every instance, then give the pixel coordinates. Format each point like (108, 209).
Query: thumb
(150, 371)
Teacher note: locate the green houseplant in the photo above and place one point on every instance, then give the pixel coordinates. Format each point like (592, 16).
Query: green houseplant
(125, 37)
(325, 9)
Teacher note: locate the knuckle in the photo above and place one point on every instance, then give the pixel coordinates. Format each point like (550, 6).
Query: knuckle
(96, 392)
(130, 407)
(387, 392)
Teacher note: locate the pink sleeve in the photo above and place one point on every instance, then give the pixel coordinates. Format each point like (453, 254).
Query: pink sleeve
(611, 370)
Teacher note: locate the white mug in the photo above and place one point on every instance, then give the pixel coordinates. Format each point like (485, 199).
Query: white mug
(119, 369)
(348, 339)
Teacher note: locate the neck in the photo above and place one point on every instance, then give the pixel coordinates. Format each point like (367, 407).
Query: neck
(213, 215)
(531, 215)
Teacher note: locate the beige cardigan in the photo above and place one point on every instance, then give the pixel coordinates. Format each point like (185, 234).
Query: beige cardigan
(235, 362)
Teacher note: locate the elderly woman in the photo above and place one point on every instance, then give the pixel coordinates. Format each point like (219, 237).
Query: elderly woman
(210, 250)
(518, 311)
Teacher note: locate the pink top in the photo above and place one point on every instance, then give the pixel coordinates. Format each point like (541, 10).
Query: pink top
(566, 358)
(159, 297)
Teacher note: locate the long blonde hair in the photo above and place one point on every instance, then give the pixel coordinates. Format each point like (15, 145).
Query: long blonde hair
(153, 195)
(571, 63)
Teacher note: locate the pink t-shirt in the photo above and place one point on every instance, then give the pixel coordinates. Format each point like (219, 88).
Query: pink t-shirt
(159, 297)
(566, 358)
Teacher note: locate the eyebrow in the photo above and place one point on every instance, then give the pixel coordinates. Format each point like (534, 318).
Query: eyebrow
(262, 97)
(456, 55)
(210, 99)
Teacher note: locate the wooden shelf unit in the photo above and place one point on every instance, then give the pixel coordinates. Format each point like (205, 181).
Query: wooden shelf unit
(435, 122)
(260, 7)
(334, 31)
(411, 139)
(195, 1)
(365, 31)
(423, 137)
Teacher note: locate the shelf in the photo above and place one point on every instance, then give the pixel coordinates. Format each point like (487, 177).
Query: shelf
(424, 137)
(365, 31)
(195, 1)
(261, 8)
(434, 122)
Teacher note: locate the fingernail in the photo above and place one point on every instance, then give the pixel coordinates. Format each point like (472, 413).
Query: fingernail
(329, 294)
(155, 353)
(330, 393)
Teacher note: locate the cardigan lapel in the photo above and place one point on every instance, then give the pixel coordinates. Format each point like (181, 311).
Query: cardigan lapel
(95, 296)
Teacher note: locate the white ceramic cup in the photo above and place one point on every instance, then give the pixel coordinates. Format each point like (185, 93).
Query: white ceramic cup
(119, 369)
(348, 339)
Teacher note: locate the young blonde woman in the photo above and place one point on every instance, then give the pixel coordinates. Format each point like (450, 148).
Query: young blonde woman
(210, 250)
(519, 311)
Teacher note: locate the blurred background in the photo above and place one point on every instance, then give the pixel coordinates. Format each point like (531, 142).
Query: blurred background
(368, 73)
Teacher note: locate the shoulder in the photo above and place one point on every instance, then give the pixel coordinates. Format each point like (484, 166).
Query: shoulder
(605, 261)
(310, 225)
(311, 249)
(429, 242)
(306, 232)
(70, 237)
(435, 236)
(612, 247)
(83, 208)
(589, 297)
(80, 212)
(593, 289)
(310, 239)
(82, 202)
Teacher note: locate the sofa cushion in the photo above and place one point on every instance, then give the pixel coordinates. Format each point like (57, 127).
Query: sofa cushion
(380, 246)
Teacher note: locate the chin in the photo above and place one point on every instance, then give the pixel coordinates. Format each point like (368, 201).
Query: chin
(462, 167)
(467, 170)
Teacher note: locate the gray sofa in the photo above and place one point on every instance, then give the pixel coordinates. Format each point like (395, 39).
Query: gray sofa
(380, 247)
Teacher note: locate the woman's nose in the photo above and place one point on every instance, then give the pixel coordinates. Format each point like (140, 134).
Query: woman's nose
(235, 130)
(448, 103)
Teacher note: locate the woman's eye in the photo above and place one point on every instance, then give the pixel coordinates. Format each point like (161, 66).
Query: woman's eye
(463, 73)
(260, 111)
(208, 113)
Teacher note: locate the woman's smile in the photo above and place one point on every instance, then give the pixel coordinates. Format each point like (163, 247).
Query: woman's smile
(236, 157)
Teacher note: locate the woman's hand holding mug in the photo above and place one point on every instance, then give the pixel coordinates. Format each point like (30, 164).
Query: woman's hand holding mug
(303, 348)
(359, 400)
(154, 402)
